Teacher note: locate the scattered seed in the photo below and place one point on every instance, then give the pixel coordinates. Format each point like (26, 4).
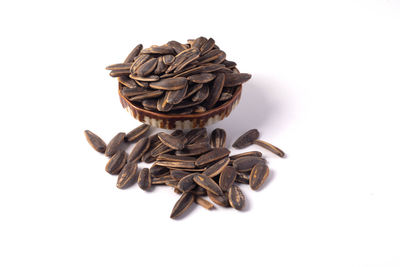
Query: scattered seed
(174, 142)
(127, 174)
(246, 139)
(144, 180)
(218, 138)
(207, 183)
(270, 147)
(246, 154)
(182, 205)
(95, 141)
(116, 162)
(139, 149)
(204, 203)
(245, 164)
(236, 197)
(137, 133)
(214, 155)
(114, 145)
(227, 178)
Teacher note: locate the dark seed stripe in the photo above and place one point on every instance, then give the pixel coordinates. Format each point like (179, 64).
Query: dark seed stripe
(201, 78)
(270, 147)
(144, 180)
(178, 174)
(207, 183)
(158, 171)
(116, 162)
(133, 53)
(174, 142)
(236, 197)
(119, 66)
(214, 155)
(95, 141)
(246, 139)
(245, 164)
(218, 138)
(235, 79)
(182, 205)
(216, 90)
(170, 84)
(176, 164)
(169, 157)
(187, 183)
(227, 178)
(246, 154)
(147, 67)
(127, 175)
(137, 133)
(139, 149)
(216, 168)
(258, 175)
(219, 200)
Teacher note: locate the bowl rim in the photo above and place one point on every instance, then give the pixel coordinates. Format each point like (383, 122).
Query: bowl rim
(183, 116)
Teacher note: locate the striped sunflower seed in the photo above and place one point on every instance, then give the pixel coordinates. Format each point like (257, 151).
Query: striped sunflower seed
(270, 147)
(137, 133)
(119, 73)
(235, 79)
(115, 144)
(142, 58)
(216, 90)
(178, 174)
(216, 168)
(158, 171)
(168, 60)
(201, 78)
(207, 46)
(127, 175)
(144, 180)
(149, 94)
(161, 67)
(245, 164)
(161, 50)
(119, 66)
(246, 154)
(175, 96)
(116, 162)
(139, 149)
(221, 200)
(182, 205)
(187, 183)
(128, 82)
(218, 138)
(227, 178)
(174, 142)
(258, 175)
(151, 78)
(176, 46)
(242, 178)
(170, 84)
(204, 203)
(212, 156)
(246, 139)
(147, 67)
(176, 164)
(207, 183)
(202, 94)
(95, 141)
(133, 53)
(236, 197)
(169, 157)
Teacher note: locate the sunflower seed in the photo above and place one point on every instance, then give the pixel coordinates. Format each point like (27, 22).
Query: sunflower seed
(176, 96)
(225, 97)
(192, 89)
(246, 139)
(95, 141)
(163, 105)
(186, 184)
(158, 171)
(221, 58)
(229, 64)
(114, 145)
(214, 155)
(151, 78)
(150, 94)
(207, 46)
(210, 56)
(199, 170)
(204, 203)
(245, 164)
(147, 67)
(207, 183)
(142, 84)
(129, 92)
(119, 66)
(236, 79)
(144, 180)
(133, 53)
(236, 197)
(199, 191)
(174, 142)
(218, 138)
(227, 178)
(193, 135)
(137, 133)
(178, 174)
(185, 111)
(176, 46)
(160, 149)
(216, 90)
(116, 162)
(119, 73)
(127, 175)
(199, 42)
(170, 84)
(149, 104)
(202, 94)
(216, 168)
(139, 149)
(246, 154)
(242, 178)
(183, 58)
(161, 67)
(148, 158)
(202, 77)
(162, 180)
(221, 200)
(187, 61)
(173, 183)
(168, 157)
(162, 50)
(185, 104)
(270, 147)
(258, 175)
(176, 164)
(139, 61)
(182, 205)
(188, 151)
(208, 67)
(168, 60)
(128, 82)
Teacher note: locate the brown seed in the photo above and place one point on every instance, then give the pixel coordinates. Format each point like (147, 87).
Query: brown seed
(193, 135)
(210, 56)
(199, 191)
(185, 104)
(142, 84)
(221, 200)
(176, 46)
(270, 147)
(129, 92)
(207, 183)
(119, 66)
(95, 141)
(170, 84)
(221, 58)
(162, 180)
(225, 97)
(227, 178)
(229, 64)
(128, 82)
(137, 133)
(214, 155)
(186, 62)
(127, 175)
(185, 111)
(119, 73)
(184, 58)
(194, 151)
(174, 142)
(148, 158)
(147, 67)
(246, 154)
(245, 164)
(151, 78)
(168, 59)
(202, 94)
(144, 180)
(199, 42)
(133, 53)
(160, 149)
(178, 174)
(235, 79)
(218, 138)
(139, 149)
(173, 183)
(142, 58)
(163, 105)
(216, 90)
(169, 157)
(190, 170)
(176, 164)
(182, 205)
(150, 94)
(161, 67)
(114, 145)
(162, 50)
(192, 89)
(175, 96)
(216, 168)
(236, 197)
(116, 162)
(258, 175)
(158, 171)
(204, 203)
(207, 46)
(246, 139)
(202, 77)
(186, 183)
(208, 67)
(150, 104)
(242, 178)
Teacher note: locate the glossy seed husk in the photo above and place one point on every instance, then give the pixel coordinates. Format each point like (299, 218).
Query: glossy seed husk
(242, 178)
(214, 155)
(115, 144)
(178, 174)
(218, 138)
(139, 149)
(270, 147)
(170, 84)
(144, 180)
(187, 183)
(116, 162)
(174, 142)
(236, 197)
(127, 175)
(201, 78)
(235, 79)
(207, 183)
(182, 205)
(133, 53)
(227, 178)
(246, 139)
(168, 157)
(95, 141)
(258, 175)
(246, 154)
(245, 164)
(216, 90)
(137, 133)
(176, 164)
(158, 171)
(216, 168)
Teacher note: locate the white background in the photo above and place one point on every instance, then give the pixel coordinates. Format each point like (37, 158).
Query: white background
(325, 89)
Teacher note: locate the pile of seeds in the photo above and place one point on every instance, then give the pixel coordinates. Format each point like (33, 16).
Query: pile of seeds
(177, 78)
(193, 163)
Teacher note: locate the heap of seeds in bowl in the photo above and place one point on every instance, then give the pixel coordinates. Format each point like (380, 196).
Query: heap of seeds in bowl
(177, 78)
(195, 164)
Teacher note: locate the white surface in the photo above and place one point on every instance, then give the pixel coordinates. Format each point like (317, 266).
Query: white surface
(324, 88)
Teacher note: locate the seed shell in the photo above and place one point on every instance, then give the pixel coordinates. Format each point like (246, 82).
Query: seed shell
(216, 90)
(245, 164)
(176, 164)
(149, 94)
(187, 183)
(246, 139)
(235, 79)
(204, 203)
(137, 133)
(144, 180)
(114, 145)
(127, 174)
(207, 183)
(133, 53)
(178, 174)
(119, 66)
(214, 155)
(158, 171)
(216, 168)
(168, 59)
(218, 138)
(246, 154)
(182, 205)
(169, 157)
(176, 96)
(270, 147)
(170, 84)
(95, 141)
(116, 162)
(258, 175)
(221, 200)
(236, 197)
(242, 178)
(139, 149)
(201, 78)
(174, 142)
(227, 178)
(161, 67)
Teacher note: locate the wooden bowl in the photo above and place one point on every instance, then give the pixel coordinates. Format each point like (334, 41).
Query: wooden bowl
(176, 121)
